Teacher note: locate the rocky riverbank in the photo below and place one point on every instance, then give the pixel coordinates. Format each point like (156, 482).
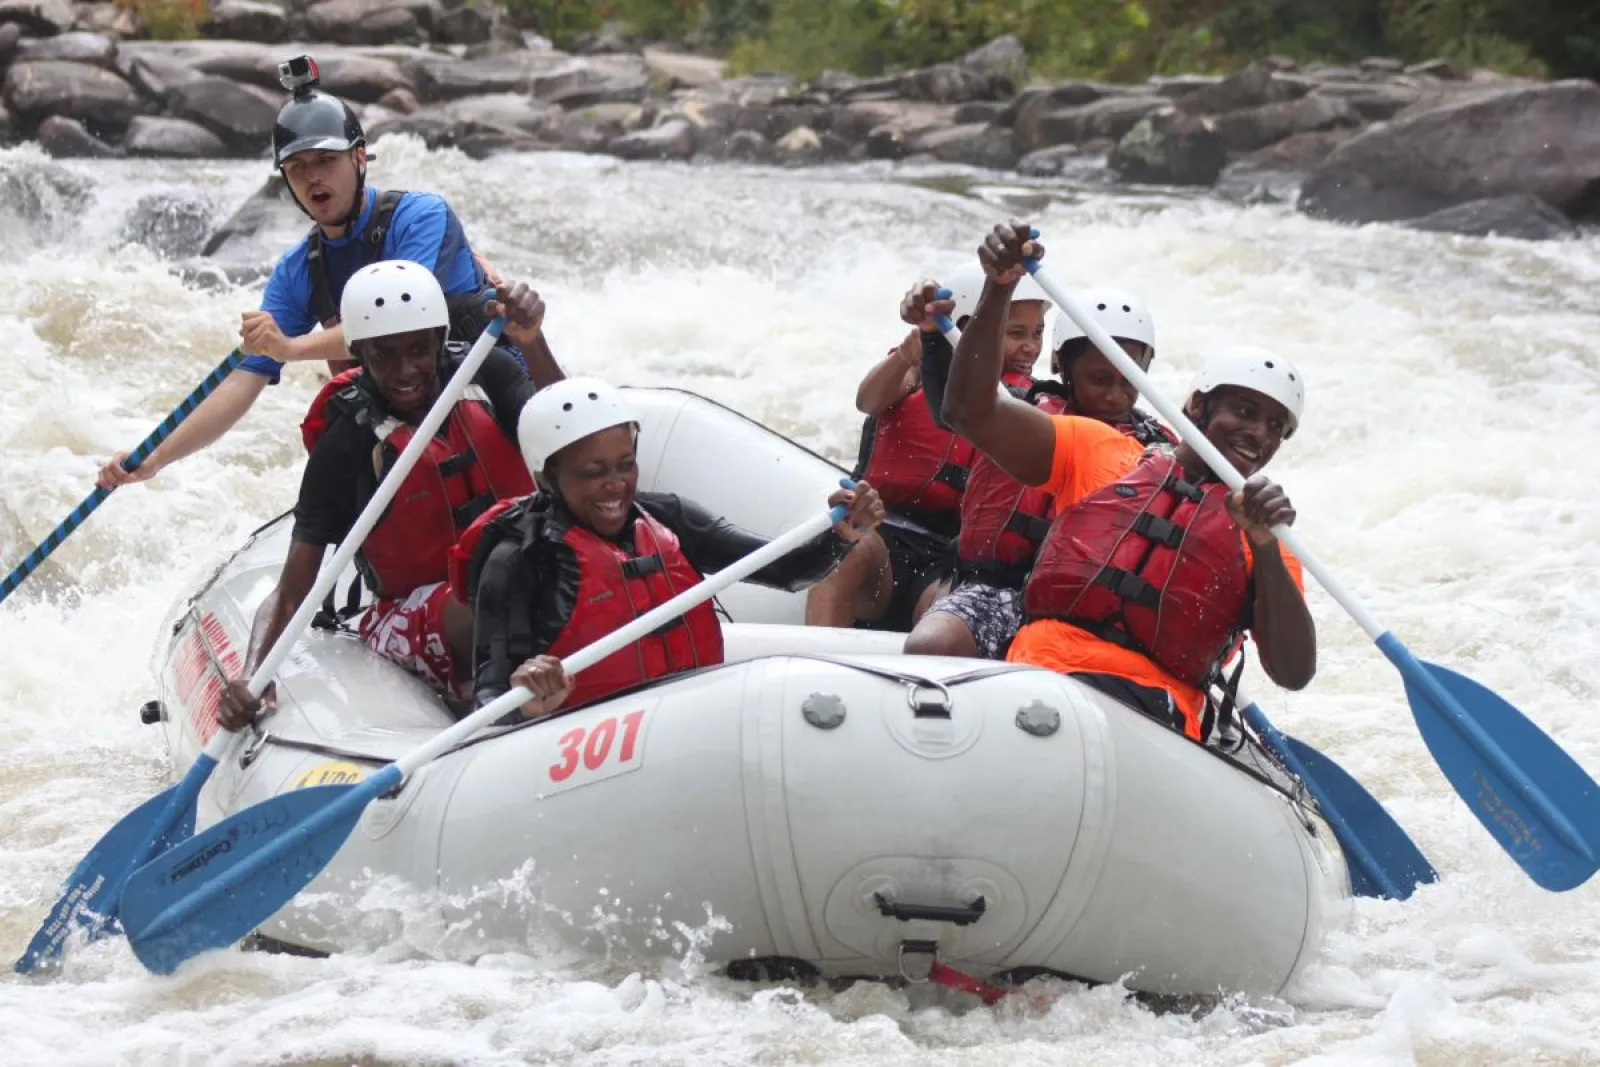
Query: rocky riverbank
(1428, 145)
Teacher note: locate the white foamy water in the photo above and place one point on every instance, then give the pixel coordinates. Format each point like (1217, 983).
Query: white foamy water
(1454, 398)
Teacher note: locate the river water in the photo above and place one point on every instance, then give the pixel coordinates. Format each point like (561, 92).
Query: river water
(1454, 392)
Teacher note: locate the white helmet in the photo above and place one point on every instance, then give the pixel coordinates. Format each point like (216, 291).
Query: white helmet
(1258, 370)
(1118, 312)
(568, 411)
(395, 296)
(966, 285)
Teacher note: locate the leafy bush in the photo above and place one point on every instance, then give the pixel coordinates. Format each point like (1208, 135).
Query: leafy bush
(169, 20)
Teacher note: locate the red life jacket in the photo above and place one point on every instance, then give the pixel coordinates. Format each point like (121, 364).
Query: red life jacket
(1003, 521)
(914, 463)
(613, 588)
(1152, 563)
(467, 466)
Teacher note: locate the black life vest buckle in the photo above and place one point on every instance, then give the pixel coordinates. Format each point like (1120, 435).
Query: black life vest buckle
(643, 566)
(1187, 490)
(1130, 587)
(953, 476)
(1161, 531)
(1030, 526)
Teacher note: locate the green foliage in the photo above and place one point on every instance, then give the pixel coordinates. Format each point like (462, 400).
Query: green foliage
(1114, 39)
(169, 20)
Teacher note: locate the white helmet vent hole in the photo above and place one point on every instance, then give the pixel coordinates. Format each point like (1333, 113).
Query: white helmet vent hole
(405, 298)
(378, 302)
(567, 406)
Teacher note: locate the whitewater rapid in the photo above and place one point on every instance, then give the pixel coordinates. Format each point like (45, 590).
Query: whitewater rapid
(1453, 400)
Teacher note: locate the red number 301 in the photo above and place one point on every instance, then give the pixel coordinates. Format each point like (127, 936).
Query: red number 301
(594, 751)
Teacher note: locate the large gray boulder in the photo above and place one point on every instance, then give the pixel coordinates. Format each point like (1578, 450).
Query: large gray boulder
(1540, 140)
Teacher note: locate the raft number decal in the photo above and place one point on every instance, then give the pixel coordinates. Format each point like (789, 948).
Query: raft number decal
(329, 774)
(204, 648)
(605, 749)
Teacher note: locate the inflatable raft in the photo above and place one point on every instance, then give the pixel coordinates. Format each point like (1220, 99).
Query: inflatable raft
(818, 799)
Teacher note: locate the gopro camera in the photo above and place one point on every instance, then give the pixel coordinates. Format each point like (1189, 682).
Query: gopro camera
(298, 75)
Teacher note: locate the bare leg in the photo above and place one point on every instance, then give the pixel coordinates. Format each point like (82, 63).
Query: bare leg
(858, 589)
(939, 633)
(925, 601)
(458, 636)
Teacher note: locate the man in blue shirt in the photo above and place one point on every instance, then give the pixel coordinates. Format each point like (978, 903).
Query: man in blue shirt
(321, 150)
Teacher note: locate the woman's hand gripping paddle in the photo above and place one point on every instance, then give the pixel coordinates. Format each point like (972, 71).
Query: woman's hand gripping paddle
(173, 420)
(1530, 795)
(211, 890)
(89, 901)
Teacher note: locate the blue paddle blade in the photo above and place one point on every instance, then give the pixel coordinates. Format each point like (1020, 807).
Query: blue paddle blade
(1382, 859)
(89, 897)
(1534, 799)
(213, 889)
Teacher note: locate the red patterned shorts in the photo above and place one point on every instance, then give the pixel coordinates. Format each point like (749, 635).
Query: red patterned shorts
(410, 631)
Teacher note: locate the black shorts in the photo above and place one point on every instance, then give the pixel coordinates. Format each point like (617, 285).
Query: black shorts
(917, 559)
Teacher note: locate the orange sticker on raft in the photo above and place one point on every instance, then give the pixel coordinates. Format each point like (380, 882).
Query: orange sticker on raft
(329, 774)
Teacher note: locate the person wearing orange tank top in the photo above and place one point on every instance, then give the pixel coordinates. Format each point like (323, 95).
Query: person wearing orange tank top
(1152, 571)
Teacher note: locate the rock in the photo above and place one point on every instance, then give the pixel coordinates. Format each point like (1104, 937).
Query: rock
(708, 112)
(978, 111)
(171, 226)
(799, 145)
(596, 80)
(1025, 109)
(93, 48)
(35, 89)
(6, 128)
(39, 18)
(1048, 162)
(1519, 215)
(1273, 174)
(676, 70)
(513, 111)
(1375, 103)
(1383, 65)
(438, 129)
(45, 196)
(510, 72)
(1253, 87)
(401, 101)
(1542, 140)
(10, 36)
(945, 83)
(1245, 131)
(1168, 147)
(856, 121)
(252, 239)
(156, 78)
(976, 144)
(1111, 117)
(466, 24)
(673, 139)
(590, 129)
(149, 135)
(773, 122)
(1177, 86)
(747, 145)
(1003, 61)
(351, 75)
(371, 21)
(1442, 69)
(602, 44)
(242, 115)
(247, 20)
(64, 138)
(113, 20)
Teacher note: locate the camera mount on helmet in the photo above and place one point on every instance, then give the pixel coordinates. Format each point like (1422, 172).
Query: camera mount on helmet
(299, 75)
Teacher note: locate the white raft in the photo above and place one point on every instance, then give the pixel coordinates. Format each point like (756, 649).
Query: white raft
(809, 794)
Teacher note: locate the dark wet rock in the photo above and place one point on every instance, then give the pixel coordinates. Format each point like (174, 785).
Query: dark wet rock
(1519, 215)
(10, 39)
(1177, 86)
(978, 111)
(1242, 132)
(976, 144)
(170, 225)
(946, 83)
(673, 139)
(248, 20)
(100, 98)
(740, 145)
(349, 74)
(590, 129)
(467, 23)
(595, 80)
(155, 78)
(371, 21)
(65, 138)
(249, 242)
(438, 78)
(1442, 69)
(1168, 147)
(473, 137)
(150, 135)
(1002, 61)
(400, 101)
(1374, 103)
(242, 115)
(1256, 86)
(1541, 140)
(7, 130)
(603, 44)
(40, 18)
(1110, 117)
(1026, 108)
(93, 48)
(1048, 162)
(1273, 174)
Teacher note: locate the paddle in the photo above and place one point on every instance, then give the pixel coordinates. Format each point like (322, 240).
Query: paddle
(211, 890)
(1382, 859)
(1488, 750)
(168, 818)
(173, 420)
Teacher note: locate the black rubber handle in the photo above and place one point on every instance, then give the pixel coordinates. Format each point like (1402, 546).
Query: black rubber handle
(939, 913)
